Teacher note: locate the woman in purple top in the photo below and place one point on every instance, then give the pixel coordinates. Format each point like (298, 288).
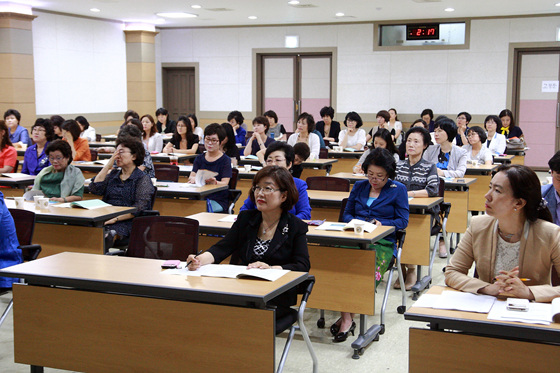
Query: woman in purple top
(35, 158)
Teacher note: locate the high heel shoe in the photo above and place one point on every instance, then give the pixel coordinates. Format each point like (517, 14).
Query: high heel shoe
(335, 327)
(342, 336)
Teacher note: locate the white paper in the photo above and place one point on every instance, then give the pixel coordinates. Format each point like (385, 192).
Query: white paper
(15, 175)
(229, 271)
(461, 301)
(426, 301)
(228, 219)
(202, 176)
(330, 226)
(183, 168)
(549, 86)
(538, 313)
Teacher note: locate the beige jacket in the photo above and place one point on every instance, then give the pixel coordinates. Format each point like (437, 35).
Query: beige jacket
(539, 251)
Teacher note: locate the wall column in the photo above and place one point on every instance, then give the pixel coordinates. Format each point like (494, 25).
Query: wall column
(141, 71)
(17, 75)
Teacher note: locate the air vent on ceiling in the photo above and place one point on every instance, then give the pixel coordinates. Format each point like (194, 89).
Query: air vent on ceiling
(219, 9)
(303, 5)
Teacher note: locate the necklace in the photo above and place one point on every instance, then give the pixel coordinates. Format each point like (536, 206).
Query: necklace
(506, 236)
(270, 226)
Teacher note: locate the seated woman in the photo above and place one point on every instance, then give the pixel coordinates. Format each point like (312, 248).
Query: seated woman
(184, 141)
(259, 140)
(10, 254)
(228, 145)
(214, 160)
(275, 130)
(152, 138)
(196, 129)
(395, 126)
(476, 149)
(381, 139)
(301, 151)
(124, 186)
(496, 142)
(328, 128)
(135, 129)
(463, 120)
(420, 179)
(56, 121)
(35, 158)
(235, 118)
(508, 128)
(353, 136)
(164, 123)
(450, 159)
(8, 154)
(416, 123)
(61, 181)
(382, 201)
(304, 133)
(88, 132)
(268, 236)
(427, 116)
(18, 134)
(80, 147)
(281, 154)
(383, 117)
(514, 246)
(551, 192)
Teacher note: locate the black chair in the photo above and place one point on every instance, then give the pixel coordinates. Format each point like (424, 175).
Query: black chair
(163, 237)
(233, 193)
(437, 231)
(166, 172)
(324, 152)
(93, 153)
(16, 168)
(294, 321)
(335, 184)
(25, 225)
(98, 137)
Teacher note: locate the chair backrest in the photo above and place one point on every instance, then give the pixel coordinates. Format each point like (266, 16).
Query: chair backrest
(93, 153)
(163, 237)
(25, 225)
(441, 188)
(323, 153)
(342, 208)
(334, 184)
(97, 137)
(16, 168)
(166, 172)
(233, 181)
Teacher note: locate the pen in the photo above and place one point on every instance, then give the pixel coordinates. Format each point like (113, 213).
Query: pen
(523, 279)
(197, 254)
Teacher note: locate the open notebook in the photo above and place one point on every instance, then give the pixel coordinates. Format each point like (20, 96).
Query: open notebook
(231, 271)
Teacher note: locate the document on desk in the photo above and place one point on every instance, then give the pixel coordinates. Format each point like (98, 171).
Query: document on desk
(461, 301)
(228, 219)
(231, 271)
(336, 226)
(538, 313)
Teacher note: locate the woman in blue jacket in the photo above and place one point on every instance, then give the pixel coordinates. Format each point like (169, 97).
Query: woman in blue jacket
(382, 201)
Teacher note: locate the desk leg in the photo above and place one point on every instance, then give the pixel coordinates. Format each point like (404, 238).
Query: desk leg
(37, 369)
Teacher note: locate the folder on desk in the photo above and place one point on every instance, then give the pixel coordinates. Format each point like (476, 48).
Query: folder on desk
(89, 204)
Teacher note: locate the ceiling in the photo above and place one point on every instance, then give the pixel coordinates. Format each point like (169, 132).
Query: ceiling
(268, 12)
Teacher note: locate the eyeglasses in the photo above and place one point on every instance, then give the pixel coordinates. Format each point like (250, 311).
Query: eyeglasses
(376, 178)
(38, 129)
(275, 161)
(57, 159)
(211, 141)
(266, 190)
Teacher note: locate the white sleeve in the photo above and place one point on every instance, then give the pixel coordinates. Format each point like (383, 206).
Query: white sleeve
(314, 144)
(361, 137)
(398, 125)
(501, 147)
(292, 139)
(158, 142)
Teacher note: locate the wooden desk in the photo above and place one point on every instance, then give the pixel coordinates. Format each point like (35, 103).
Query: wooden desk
(101, 144)
(457, 193)
(60, 229)
(503, 159)
(17, 185)
(316, 163)
(349, 176)
(482, 345)
(519, 156)
(346, 160)
(345, 276)
(478, 189)
(138, 319)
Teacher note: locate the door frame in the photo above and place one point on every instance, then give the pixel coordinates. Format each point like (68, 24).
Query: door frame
(259, 53)
(182, 65)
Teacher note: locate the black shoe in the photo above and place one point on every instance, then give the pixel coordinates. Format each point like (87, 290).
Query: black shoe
(342, 336)
(335, 328)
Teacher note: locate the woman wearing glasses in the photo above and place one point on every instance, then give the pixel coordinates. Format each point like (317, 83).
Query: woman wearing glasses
(476, 148)
(382, 201)
(61, 181)
(184, 141)
(214, 160)
(450, 159)
(35, 158)
(268, 236)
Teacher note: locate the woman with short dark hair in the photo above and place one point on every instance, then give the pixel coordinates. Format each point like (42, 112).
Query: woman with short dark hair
(259, 141)
(80, 147)
(383, 117)
(35, 158)
(126, 185)
(496, 142)
(60, 181)
(476, 148)
(381, 201)
(18, 134)
(88, 132)
(164, 123)
(304, 133)
(514, 246)
(353, 136)
(328, 128)
(235, 118)
(275, 130)
(450, 159)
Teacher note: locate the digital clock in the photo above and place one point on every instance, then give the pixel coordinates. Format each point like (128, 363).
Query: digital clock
(422, 32)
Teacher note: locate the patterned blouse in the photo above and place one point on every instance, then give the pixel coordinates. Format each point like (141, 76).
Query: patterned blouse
(261, 246)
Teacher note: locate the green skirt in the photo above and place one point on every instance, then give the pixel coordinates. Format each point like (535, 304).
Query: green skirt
(383, 256)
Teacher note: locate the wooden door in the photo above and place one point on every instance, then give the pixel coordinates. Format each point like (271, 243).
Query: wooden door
(179, 91)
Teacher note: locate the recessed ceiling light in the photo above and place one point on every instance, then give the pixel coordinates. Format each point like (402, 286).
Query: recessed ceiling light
(449, 9)
(196, 6)
(252, 17)
(293, 2)
(176, 15)
(95, 10)
(339, 14)
(557, 4)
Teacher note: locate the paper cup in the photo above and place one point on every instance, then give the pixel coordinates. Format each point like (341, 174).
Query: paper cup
(44, 203)
(36, 200)
(337, 148)
(19, 202)
(23, 146)
(247, 167)
(359, 227)
(154, 180)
